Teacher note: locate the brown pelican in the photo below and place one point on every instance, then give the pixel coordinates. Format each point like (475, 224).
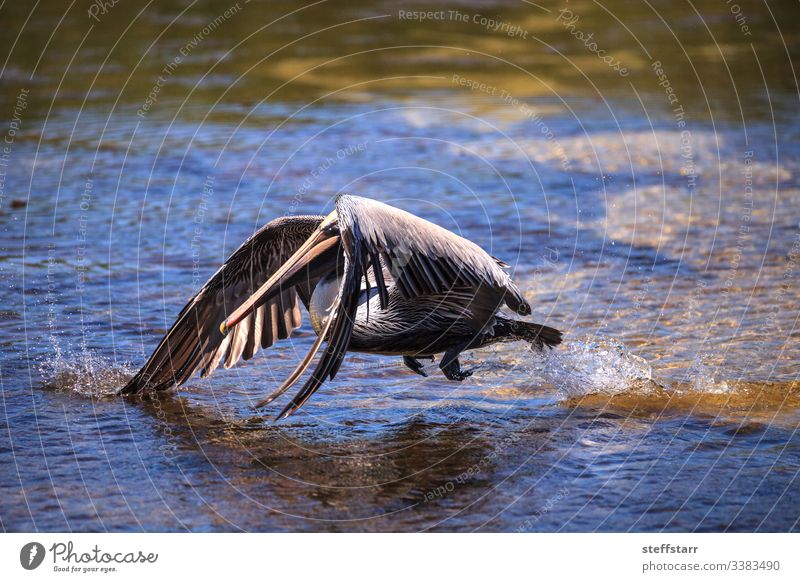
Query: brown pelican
(373, 278)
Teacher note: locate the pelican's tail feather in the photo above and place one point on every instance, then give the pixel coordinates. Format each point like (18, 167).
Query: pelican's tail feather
(536, 334)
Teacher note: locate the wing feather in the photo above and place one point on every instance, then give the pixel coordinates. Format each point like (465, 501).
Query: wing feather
(195, 343)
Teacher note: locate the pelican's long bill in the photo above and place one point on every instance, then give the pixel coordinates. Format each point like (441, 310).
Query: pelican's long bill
(314, 247)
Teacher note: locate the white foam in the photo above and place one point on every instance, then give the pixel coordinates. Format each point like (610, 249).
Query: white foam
(581, 367)
(703, 378)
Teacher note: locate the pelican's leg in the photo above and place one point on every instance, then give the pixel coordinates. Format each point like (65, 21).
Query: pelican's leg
(451, 366)
(414, 365)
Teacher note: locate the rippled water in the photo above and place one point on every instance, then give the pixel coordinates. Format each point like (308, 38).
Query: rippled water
(667, 253)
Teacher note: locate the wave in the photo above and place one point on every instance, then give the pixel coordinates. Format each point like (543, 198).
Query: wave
(606, 366)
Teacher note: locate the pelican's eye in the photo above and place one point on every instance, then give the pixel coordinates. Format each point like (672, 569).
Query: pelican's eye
(330, 224)
(331, 228)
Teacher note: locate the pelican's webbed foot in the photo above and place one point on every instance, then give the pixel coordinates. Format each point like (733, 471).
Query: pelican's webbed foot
(451, 367)
(414, 365)
(453, 371)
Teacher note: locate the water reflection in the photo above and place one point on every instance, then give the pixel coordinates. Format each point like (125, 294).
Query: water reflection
(239, 53)
(338, 475)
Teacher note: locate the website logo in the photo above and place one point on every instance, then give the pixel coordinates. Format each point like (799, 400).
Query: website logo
(31, 555)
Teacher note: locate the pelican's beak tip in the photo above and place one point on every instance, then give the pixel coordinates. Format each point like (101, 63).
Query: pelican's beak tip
(223, 328)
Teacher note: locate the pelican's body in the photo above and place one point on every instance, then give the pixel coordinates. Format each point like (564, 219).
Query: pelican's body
(413, 328)
(373, 278)
(401, 329)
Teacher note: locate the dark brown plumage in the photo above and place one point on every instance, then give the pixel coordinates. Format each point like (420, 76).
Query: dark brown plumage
(375, 279)
(194, 342)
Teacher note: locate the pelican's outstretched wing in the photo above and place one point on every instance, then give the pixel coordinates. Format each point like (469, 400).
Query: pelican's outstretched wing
(423, 259)
(195, 342)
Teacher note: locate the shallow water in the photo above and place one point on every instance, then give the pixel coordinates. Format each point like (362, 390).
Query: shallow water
(667, 253)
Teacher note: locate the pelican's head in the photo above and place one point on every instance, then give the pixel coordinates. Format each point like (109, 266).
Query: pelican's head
(330, 224)
(313, 250)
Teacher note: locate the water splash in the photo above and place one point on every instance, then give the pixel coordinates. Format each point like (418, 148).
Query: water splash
(594, 366)
(703, 377)
(83, 372)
